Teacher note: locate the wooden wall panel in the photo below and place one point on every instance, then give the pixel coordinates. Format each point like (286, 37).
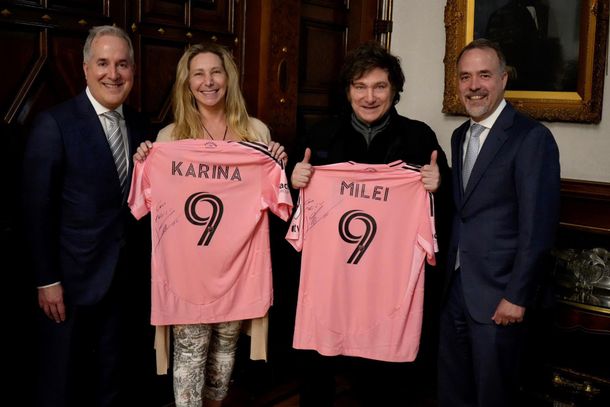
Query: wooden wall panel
(22, 48)
(585, 205)
(66, 61)
(190, 21)
(51, 71)
(82, 16)
(321, 76)
(319, 92)
(210, 15)
(52, 80)
(161, 30)
(156, 85)
(323, 37)
(47, 42)
(77, 6)
(162, 12)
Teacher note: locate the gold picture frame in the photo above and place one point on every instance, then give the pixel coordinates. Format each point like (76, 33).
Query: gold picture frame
(582, 105)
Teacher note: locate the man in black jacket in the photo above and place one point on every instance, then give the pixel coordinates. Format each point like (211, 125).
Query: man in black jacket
(373, 132)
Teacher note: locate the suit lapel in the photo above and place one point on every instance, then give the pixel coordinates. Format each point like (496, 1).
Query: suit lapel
(91, 128)
(458, 146)
(495, 140)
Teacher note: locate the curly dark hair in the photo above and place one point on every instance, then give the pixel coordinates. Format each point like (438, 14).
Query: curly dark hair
(368, 56)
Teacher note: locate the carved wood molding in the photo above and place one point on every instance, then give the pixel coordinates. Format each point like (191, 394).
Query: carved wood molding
(282, 68)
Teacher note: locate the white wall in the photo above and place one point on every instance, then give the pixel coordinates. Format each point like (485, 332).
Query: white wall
(419, 40)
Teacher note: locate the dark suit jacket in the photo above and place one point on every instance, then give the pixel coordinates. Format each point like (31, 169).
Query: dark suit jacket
(506, 218)
(76, 217)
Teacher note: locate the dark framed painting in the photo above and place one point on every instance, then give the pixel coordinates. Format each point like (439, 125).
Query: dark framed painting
(556, 53)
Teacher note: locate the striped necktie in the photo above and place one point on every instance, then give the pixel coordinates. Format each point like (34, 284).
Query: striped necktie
(117, 145)
(472, 151)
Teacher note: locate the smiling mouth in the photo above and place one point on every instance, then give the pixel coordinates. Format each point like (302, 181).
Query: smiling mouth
(476, 97)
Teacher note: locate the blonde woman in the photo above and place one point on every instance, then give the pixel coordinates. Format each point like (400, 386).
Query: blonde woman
(208, 104)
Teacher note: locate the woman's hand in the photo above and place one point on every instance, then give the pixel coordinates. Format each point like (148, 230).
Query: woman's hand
(142, 151)
(430, 174)
(278, 152)
(302, 171)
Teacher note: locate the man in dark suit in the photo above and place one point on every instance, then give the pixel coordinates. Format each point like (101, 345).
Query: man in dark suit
(507, 210)
(77, 171)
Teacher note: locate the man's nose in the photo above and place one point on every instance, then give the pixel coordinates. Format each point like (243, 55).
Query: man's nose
(474, 83)
(113, 72)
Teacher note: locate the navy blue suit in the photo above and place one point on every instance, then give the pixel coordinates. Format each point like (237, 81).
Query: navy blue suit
(504, 227)
(76, 227)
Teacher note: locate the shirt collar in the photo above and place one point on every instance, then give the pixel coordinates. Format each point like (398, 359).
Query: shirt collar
(489, 121)
(99, 108)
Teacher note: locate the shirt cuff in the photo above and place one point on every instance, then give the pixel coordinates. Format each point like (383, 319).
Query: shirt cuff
(49, 285)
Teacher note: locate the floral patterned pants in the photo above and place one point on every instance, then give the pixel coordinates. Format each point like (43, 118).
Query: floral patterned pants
(204, 355)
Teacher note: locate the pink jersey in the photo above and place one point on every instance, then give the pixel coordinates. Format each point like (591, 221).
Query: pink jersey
(210, 235)
(365, 231)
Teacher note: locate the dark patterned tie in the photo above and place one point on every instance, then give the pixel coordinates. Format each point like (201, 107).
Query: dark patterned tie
(117, 145)
(472, 150)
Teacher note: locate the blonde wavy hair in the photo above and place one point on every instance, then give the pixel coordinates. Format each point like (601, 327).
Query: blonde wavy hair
(186, 116)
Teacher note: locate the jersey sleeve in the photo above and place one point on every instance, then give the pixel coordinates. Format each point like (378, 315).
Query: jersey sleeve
(139, 193)
(426, 234)
(295, 231)
(277, 194)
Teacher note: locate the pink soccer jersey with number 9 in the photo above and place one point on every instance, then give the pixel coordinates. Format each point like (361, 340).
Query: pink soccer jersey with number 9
(209, 203)
(365, 232)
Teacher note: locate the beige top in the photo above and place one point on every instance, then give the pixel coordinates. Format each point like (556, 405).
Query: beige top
(255, 127)
(257, 328)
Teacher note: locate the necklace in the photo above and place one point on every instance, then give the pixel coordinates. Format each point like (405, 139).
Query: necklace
(224, 137)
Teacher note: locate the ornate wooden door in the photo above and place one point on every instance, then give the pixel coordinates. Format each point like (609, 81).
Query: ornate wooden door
(291, 81)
